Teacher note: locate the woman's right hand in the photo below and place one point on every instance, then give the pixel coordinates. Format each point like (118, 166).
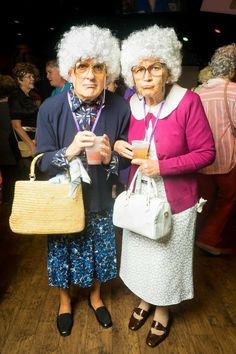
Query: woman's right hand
(81, 141)
(124, 149)
(148, 167)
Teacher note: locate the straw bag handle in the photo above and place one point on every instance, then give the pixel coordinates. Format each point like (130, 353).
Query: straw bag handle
(32, 167)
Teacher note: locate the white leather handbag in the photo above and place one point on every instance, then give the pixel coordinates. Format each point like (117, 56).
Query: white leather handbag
(142, 213)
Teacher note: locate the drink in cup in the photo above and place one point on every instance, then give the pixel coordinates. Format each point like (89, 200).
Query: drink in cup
(93, 153)
(140, 149)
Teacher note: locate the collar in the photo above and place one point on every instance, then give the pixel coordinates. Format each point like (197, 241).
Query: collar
(171, 103)
(77, 103)
(215, 81)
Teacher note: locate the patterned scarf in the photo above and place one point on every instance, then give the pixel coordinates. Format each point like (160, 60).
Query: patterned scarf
(85, 112)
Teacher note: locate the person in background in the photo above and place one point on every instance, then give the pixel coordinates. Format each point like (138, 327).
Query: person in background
(89, 57)
(24, 54)
(203, 76)
(54, 77)
(112, 86)
(8, 148)
(118, 86)
(172, 120)
(217, 182)
(24, 109)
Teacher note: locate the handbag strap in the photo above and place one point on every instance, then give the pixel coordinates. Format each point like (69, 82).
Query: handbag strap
(135, 185)
(32, 176)
(131, 186)
(29, 129)
(227, 107)
(15, 135)
(26, 129)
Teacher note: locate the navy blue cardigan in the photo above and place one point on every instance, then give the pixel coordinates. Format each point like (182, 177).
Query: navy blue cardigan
(56, 129)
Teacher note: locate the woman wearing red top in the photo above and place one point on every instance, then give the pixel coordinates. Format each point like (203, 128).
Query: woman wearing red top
(173, 121)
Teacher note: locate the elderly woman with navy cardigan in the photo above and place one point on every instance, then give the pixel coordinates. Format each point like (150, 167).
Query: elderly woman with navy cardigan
(89, 57)
(172, 120)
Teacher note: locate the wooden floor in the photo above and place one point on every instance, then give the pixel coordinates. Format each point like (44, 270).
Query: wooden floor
(28, 307)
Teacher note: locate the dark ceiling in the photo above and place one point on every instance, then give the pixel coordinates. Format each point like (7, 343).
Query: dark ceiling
(41, 24)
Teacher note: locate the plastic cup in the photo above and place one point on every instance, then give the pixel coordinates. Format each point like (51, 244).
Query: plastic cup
(93, 153)
(140, 149)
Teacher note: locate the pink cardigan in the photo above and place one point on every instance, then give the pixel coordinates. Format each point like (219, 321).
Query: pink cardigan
(184, 144)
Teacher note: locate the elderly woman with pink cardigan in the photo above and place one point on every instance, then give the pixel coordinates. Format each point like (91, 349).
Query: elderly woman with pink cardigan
(172, 120)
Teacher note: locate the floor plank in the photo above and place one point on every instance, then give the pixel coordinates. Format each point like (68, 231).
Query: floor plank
(28, 308)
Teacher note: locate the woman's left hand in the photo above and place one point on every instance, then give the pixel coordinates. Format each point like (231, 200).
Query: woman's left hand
(105, 150)
(148, 167)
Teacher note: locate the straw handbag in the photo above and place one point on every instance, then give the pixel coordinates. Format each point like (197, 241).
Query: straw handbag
(24, 149)
(22, 146)
(41, 207)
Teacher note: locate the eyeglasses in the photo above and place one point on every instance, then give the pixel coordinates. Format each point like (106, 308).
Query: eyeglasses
(28, 76)
(154, 70)
(97, 69)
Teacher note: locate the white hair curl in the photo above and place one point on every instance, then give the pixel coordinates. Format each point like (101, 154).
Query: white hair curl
(153, 42)
(89, 42)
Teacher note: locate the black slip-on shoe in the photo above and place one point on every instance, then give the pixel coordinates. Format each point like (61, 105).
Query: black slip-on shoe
(64, 324)
(102, 315)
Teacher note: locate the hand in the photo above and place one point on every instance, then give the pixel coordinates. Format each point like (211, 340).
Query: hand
(33, 149)
(81, 141)
(124, 149)
(148, 167)
(105, 150)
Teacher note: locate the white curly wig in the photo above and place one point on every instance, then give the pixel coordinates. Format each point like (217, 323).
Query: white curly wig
(89, 42)
(153, 42)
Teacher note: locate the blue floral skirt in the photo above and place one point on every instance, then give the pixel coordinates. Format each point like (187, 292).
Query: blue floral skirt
(81, 258)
